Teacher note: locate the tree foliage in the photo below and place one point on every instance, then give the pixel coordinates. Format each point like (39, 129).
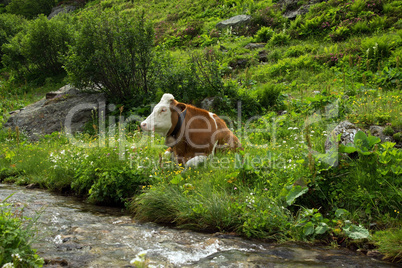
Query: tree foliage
(113, 52)
(10, 25)
(37, 47)
(30, 8)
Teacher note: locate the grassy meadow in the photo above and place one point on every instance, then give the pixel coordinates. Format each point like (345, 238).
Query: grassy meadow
(340, 61)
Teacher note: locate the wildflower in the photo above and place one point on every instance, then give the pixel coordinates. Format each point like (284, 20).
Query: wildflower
(8, 265)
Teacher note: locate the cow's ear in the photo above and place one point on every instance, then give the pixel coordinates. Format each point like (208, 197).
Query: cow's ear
(181, 106)
(167, 98)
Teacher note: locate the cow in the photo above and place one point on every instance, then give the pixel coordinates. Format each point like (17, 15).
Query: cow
(191, 133)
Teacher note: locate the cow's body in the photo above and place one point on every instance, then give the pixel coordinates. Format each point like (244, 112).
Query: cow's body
(189, 131)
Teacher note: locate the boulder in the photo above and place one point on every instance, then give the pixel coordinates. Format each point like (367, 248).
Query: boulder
(378, 132)
(263, 56)
(348, 131)
(61, 9)
(255, 45)
(64, 109)
(235, 21)
(292, 14)
(293, 8)
(208, 103)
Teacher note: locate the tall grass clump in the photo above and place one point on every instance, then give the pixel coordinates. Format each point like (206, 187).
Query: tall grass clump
(16, 236)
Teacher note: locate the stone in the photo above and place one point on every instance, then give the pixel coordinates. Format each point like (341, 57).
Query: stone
(61, 9)
(32, 186)
(378, 132)
(263, 56)
(293, 8)
(64, 109)
(348, 131)
(235, 21)
(255, 45)
(208, 103)
(292, 14)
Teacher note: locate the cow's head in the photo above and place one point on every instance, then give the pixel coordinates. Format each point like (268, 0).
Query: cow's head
(164, 116)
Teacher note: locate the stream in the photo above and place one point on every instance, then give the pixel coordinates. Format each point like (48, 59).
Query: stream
(73, 233)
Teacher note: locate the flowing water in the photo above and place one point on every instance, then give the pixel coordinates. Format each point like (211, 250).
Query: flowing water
(73, 233)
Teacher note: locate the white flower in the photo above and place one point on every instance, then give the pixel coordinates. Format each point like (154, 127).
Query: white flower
(8, 265)
(284, 141)
(62, 152)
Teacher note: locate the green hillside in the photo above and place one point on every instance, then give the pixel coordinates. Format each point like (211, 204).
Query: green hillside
(282, 84)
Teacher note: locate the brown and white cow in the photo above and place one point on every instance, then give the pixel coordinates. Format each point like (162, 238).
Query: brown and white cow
(191, 133)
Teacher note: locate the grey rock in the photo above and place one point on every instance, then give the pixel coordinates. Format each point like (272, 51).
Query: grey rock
(292, 14)
(255, 45)
(348, 131)
(208, 103)
(263, 56)
(378, 132)
(65, 109)
(61, 9)
(235, 21)
(293, 9)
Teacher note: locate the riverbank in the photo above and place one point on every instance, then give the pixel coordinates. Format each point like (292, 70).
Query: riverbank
(79, 234)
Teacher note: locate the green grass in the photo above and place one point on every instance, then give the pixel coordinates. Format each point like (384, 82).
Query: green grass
(17, 233)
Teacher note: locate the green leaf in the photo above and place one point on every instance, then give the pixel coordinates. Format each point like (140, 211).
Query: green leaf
(321, 228)
(360, 135)
(308, 229)
(340, 212)
(347, 149)
(372, 140)
(294, 193)
(176, 179)
(356, 232)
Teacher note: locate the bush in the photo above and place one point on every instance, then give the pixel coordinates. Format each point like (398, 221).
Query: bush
(10, 25)
(280, 39)
(388, 131)
(268, 95)
(113, 52)
(378, 48)
(192, 80)
(16, 234)
(264, 34)
(30, 8)
(35, 50)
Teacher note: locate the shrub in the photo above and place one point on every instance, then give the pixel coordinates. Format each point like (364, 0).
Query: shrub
(114, 53)
(16, 233)
(268, 95)
(264, 34)
(397, 137)
(388, 131)
(30, 8)
(270, 17)
(191, 80)
(10, 25)
(280, 39)
(378, 48)
(35, 50)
